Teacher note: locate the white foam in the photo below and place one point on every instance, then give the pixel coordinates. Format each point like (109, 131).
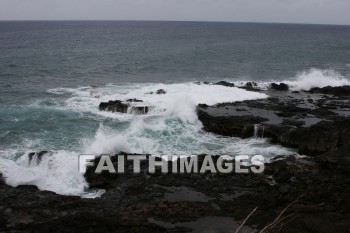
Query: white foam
(170, 128)
(106, 142)
(57, 172)
(317, 78)
(180, 99)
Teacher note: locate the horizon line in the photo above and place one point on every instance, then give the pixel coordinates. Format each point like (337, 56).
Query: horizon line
(156, 20)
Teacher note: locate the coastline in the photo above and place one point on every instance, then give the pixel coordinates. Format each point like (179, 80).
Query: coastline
(314, 122)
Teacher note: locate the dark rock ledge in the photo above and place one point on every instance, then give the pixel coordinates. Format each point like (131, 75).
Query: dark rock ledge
(312, 122)
(319, 188)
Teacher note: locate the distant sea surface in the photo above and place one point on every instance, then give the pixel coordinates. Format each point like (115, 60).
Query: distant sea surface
(54, 74)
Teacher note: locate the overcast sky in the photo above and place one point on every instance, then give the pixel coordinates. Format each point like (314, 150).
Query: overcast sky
(289, 11)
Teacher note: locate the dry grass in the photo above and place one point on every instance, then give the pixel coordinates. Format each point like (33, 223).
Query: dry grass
(277, 224)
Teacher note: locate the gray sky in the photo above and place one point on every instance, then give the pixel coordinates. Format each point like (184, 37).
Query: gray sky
(289, 11)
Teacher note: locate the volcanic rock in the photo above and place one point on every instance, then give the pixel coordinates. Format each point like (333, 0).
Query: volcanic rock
(224, 83)
(238, 126)
(160, 92)
(279, 87)
(336, 91)
(114, 106)
(119, 106)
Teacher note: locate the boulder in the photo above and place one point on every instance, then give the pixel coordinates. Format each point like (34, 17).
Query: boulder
(279, 87)
(114, 106)
(224, 83)
(119, 106)
(160, 92)
(250, 86)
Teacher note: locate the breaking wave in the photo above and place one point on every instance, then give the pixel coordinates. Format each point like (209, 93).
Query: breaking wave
(171, 127)
(317, 78)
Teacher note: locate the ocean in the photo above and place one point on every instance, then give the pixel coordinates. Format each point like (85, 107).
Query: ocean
(54, 74)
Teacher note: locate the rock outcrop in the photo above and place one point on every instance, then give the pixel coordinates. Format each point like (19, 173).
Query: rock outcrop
(237, 126)
(160, 92)
(114, 106)
(119, 106)
(225, 83)
(279, 87)
(310, 125)
(336, 91)
(319, 138)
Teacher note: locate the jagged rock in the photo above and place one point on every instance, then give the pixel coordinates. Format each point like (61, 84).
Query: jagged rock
(279, 87)
(114, 106)
(239, 126)
(119, 106)
(139, 110)
(38, 156)
(161, 92)
(224, 83)
(204, 106)
(319, 138)
(292, 121)
(250, 86)
(336, 91)
(314, 140)
(134, 100)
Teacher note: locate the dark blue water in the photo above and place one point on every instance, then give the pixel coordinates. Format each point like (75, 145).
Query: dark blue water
(53, 75)
(35, 56)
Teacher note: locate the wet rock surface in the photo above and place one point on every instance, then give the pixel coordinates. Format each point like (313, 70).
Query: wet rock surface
(312, 122)
(279, 87)
(121, 107)
(114, 106)
(161, 92)
(336, 91)
(318, 187)
(37, 157)
(224, 83)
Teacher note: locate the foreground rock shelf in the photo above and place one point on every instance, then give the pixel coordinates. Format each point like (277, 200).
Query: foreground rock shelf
(320, 187)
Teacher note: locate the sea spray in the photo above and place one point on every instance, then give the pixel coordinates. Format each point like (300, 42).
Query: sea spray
(317, 78)
(171, 127)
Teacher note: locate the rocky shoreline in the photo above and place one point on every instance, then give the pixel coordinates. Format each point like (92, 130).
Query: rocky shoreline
(309, 194)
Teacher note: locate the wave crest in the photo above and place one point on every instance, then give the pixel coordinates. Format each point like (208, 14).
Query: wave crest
(317, 78)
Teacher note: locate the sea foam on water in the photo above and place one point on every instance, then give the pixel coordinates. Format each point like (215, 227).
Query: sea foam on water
(171, 127)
